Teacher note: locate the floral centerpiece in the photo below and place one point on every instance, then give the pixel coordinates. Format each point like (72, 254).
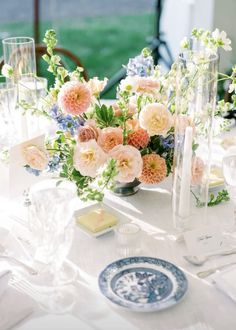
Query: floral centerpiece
(97, 145)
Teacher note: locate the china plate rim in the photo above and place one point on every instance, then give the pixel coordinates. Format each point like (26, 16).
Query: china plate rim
(148, 307)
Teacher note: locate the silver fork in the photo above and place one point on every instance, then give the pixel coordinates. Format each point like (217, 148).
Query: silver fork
(49, 300)
(24, 286)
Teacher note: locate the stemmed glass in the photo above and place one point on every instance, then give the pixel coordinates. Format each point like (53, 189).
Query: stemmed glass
(51, 226)
(229, 172)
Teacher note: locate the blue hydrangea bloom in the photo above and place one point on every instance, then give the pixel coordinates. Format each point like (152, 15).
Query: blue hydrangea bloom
(65, 122)
(140, 65)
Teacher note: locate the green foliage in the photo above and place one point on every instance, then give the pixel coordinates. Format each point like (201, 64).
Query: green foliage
(105, 116)
(222, 196)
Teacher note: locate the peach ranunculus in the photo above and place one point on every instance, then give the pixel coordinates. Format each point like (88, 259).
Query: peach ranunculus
(88, 132)
(74, 97)
(181, 122)
(96, 86)
(137, 137)
(197, 170)
(88, 158)
(154, 169)
(129, 162)
(35, 157)
(147, 85)
(110, 137)
(156, 119)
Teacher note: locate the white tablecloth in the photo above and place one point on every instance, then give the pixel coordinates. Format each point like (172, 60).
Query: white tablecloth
(203, 308)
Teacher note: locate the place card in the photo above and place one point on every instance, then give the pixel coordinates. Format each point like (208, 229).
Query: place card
(205, 240)
(19, 178)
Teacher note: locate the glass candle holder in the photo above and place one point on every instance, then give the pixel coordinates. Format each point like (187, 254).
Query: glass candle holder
(128, 237)
(19, 53)
(194, 116)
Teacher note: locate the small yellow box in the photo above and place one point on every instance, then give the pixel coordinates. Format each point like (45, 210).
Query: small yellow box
(97, 220)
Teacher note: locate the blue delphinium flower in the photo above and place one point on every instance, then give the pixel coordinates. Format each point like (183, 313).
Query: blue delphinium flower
(168, 142)
(140, 65)
(66, 123)
(32, 170)
(53, 164)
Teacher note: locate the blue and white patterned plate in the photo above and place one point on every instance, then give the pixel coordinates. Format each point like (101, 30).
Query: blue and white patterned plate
(143, 284)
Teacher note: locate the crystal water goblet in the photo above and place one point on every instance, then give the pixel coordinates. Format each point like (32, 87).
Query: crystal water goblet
(51, 224)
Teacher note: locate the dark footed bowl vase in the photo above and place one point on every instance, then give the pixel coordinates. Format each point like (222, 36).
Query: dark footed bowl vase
(126, 189)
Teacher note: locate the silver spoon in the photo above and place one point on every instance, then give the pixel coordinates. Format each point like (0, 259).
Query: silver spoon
(200, 260)
(29, 269)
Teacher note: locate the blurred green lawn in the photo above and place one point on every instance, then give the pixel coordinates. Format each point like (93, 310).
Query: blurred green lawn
(103, 44)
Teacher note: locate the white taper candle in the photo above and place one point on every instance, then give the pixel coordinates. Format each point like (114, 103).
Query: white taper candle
(184, 198)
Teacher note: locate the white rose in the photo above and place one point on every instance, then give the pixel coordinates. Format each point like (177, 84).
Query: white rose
(155, 119)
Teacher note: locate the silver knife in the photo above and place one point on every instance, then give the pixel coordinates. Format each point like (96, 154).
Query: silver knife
(210, 271)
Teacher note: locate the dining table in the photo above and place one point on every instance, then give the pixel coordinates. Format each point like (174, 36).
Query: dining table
(204, 306)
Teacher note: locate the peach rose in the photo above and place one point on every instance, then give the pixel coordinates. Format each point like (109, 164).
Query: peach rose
(155, 119)
(88, 158)
(197, 170)
(110, 137)
(129, 162)
(88, 132)
(35, 157)
(147, 85)
(96, 86)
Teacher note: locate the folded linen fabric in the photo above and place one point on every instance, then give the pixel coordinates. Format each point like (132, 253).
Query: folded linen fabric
(11, 316)
(225, 281)
(4, 278)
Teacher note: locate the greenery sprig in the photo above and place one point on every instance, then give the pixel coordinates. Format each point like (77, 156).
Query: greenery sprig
(222, 196)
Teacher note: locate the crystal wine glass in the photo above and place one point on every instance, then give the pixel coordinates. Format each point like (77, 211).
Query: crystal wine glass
(229, 172)
(51, 224)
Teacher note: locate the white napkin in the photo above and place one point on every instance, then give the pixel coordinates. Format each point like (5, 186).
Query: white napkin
(225, 281)
(15, 307)
(59, 322)
(4, 278)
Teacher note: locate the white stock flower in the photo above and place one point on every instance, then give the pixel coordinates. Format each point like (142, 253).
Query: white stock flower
(232, 88)
(129, 84)
(221, 38)
(184, 43)
(96, 86)
(7, 71)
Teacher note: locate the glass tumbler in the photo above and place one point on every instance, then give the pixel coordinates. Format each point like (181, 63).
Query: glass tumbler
(128, 236)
